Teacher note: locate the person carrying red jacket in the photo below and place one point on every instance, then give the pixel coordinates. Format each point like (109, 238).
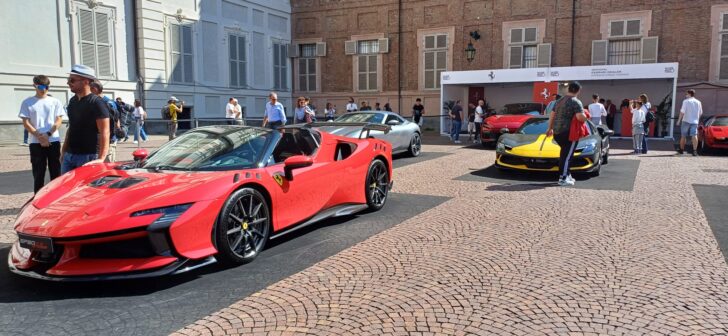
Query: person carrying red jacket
(560, 119)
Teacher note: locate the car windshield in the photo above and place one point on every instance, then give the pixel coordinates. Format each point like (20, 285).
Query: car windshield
(211, 148)
(720, 121)
(376, 118)
(534, 126)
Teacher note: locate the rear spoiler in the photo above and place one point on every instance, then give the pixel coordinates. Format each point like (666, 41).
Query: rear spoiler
(365, 127)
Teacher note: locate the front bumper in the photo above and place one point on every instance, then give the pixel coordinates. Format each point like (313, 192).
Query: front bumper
(578, 163)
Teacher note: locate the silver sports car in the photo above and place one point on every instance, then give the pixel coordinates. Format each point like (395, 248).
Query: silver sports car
(405, 136)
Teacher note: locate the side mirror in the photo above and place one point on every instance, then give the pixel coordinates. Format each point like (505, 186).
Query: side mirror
(295, 162)
(140, 154)
(605, 132)
(393, 122)
(504, 130)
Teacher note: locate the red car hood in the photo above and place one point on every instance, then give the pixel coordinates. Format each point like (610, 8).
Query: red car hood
(70, 206)
(510, 121)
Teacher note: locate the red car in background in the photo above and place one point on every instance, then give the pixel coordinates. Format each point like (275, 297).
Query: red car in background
(713, 133)
(513, 116)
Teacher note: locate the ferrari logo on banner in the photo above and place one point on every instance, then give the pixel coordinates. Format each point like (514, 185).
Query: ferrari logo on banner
(544, 92)
(279, 179)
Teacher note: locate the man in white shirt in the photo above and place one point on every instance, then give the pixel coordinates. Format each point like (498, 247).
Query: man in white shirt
(351, 106)
(597, 110)
(230, 111)
(42, 116)
(690, 113)
(478, 120)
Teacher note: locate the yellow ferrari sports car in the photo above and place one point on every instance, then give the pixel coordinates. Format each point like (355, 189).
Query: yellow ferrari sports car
(530, 149)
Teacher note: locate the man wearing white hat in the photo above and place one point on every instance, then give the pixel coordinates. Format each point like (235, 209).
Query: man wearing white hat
(87, 137)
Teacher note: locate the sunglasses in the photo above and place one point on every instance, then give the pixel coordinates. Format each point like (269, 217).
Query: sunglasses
(72, 80)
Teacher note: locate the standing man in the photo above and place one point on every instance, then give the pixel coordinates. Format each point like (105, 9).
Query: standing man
(125, 111)
(596, 110)
(239, 117)
(690, 113)
(275, 114)
(42, 116)
(115, 130)
(611, 113)
(565, 110)
(457, 122)
(478, 119)
(351, 106)
(418, 110)
(230, 112)
(87, 137)
(173, 111)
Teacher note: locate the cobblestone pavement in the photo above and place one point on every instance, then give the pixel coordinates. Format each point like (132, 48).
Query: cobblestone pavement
(498, 260)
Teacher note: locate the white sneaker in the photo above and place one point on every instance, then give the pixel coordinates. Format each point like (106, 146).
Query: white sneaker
(457, 141)
(136, 142)
(569, 178)
(566, 182)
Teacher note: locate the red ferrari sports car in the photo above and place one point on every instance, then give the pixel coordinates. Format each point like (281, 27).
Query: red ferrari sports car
(496, 125)
(214, 193)
(713, 133)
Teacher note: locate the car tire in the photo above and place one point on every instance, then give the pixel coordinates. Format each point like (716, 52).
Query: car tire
(415, 147)
(598, 170)
(376, 188)
(243, 226)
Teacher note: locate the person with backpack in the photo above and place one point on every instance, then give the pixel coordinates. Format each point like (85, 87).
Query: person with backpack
(649, 118)
(125, 112)
(115, 130)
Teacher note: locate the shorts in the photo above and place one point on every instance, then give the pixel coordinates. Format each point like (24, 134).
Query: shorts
(471, 127)
(688, 129)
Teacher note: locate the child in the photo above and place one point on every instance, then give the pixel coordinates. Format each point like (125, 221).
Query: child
(638, 130)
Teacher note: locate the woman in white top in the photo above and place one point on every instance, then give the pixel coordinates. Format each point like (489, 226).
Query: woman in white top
(638, 120)
(330, 112)
(139, 116)
(646, 106)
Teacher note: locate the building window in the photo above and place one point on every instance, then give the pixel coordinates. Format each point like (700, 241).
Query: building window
(367, 72)
(723, 73)
(180, 40)
(625, 44)
(524, 48)
(280, 66)
(307, 67)
(96, 41)
(238, 61)
(435, 59)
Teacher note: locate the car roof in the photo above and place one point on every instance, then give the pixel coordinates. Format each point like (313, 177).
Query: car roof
(372, 112)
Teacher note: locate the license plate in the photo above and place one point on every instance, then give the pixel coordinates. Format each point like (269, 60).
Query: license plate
(539, 161)
(42, 244)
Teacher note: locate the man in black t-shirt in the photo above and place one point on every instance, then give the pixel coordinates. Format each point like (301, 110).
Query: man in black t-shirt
(457, 122)
(418, 110)
(87, 137)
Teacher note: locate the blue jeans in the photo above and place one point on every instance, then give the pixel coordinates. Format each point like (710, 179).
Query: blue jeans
(644, 138)
(455, 131)
(25, 136)
(140, 126)
(72, 161)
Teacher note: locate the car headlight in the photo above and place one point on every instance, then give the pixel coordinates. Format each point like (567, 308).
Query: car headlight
(500, 147)
(174, 209)
(587, 148)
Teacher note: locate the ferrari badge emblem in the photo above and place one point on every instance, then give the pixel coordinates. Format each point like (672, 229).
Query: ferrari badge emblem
(279, 179)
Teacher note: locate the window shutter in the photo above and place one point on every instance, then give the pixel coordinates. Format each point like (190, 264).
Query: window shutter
(725, 21)
(293, 49)
(517, 35)
(516, 58)
(616, 28)
(321, 49)
(529, 35)
(350, 47)
(86, 33)
(723, 73)
(633, 27)
(383, 45)
(649, 49)
(599, 52)
(187, 49)
(543, 55)
(103, 44)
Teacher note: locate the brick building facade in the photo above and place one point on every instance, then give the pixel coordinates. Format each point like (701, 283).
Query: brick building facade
(345, 48)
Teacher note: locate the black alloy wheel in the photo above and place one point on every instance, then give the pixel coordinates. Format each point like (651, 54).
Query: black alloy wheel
(243, 226)
(377, 185)
(415, 144)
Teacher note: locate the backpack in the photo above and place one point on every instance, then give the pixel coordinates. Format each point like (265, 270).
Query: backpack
(649, 117)
(165, 112)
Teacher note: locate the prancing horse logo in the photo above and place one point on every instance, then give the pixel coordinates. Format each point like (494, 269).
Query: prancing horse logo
(491, 75)
(279, 179)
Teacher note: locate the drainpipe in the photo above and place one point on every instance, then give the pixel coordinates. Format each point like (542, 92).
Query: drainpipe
(137, 58)
(399, 58)
(573, 29)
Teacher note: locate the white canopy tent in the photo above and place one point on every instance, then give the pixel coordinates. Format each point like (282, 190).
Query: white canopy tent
(505, 86)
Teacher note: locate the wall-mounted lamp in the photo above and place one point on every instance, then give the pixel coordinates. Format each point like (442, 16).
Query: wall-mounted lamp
(470, 49)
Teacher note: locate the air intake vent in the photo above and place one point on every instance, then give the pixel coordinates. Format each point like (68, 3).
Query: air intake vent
(104, 180)
(125, 183)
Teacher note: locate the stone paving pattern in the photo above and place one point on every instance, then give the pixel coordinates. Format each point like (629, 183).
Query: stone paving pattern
(499, 259)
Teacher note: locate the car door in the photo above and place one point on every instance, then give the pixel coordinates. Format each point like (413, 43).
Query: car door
(397, 136)
(309, 190)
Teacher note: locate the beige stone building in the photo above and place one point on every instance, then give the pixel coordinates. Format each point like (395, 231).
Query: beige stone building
(393, 51)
